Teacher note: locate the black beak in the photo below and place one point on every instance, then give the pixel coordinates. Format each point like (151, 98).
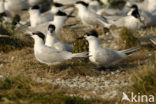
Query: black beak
(27, 35)
(51, 30)
(25, 9)
(3, 14)
(81, 38)
(70, 16)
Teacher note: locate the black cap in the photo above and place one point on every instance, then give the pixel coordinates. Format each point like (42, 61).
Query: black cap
(92, 33)
(40, 34)
(83, 3)
(60, 13)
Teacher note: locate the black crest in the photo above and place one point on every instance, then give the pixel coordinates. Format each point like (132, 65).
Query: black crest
(92, 33)
(135, 12)
(83, 3)
(35, 7)
(52, 27)
(58, 4)
(40, 34)
(60, 13)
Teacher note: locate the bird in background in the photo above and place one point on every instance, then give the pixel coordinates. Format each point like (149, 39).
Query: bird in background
(37, 18)
(54, 9)
(146, 5)
(153, 41)
(103, 56)
(15, 7)
(50, 55)
(59, 21)
(52, 41)
(88, 17)
(132, 21)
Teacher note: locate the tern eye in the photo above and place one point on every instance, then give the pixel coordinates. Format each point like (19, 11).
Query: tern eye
(87, 34)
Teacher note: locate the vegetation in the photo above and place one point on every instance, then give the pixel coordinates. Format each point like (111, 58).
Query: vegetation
(20, 89)
(127, 38)
(6, 29)
(144, 80)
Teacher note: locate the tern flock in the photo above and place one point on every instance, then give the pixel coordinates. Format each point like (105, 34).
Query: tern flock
(45, 26)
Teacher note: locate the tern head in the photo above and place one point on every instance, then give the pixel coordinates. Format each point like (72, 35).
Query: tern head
(58, 5)
(134, 11)
(35, 7)
(60, 13)
(90, 35)
(3, 14)
(38, 36)
(81, 4)
(51, 28)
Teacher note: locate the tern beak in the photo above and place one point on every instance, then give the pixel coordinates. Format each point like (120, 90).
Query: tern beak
(69, 6)
(81, 38)
(70, 16)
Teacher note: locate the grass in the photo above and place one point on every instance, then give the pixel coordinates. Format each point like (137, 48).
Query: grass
(80, 46)
(127, 38)
(6, 29)
(20, 70)
(116, 3)
(13, 43)
(20, 89)
(144, 79)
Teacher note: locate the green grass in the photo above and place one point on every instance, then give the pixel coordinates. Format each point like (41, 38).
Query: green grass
(8, 44)
(144, 79)
(7, 29)
(19, 89)
(116, 3)
(127, 38)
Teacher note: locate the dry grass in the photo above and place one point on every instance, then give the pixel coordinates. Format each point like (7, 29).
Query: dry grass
(13, 43)
(20, 70)
(127, 39)
(6, 29)
(144, 78)
(22, 90)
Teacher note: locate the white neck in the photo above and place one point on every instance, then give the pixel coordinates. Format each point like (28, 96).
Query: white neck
(55, 9)
(82, 11)
(93, 45)
(39, 43)
(59, 22)
(34, 15)
(50, 40)
(2, 9)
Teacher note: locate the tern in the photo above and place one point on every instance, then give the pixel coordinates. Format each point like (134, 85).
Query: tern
(50, 55)
(52, 41)
(103, 56)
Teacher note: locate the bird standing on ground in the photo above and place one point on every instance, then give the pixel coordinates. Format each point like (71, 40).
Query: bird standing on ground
(153, 41)
(132, 21)
(59, 21)
(52, 41)
(15, 7)
(89, 17)
(102, 56)
(37, 18)
(50, 55)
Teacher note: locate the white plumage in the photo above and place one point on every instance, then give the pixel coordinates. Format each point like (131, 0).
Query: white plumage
(102, 56)
(50, 55)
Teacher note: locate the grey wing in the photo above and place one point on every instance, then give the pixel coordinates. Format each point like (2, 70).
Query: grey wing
(42, 28)
(94, 19)
(52, 56)
(108, 57)
(48, 16)
(64, 47)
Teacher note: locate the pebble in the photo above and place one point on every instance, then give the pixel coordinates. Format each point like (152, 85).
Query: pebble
(96, 85)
